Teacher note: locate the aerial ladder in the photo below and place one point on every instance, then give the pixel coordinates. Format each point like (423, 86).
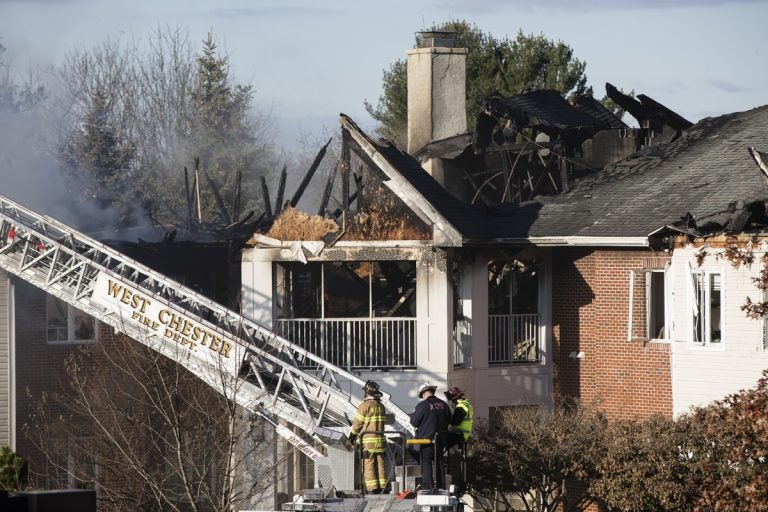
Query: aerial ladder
(263, 372)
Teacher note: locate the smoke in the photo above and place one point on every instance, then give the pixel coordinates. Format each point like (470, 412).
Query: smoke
(31, 175)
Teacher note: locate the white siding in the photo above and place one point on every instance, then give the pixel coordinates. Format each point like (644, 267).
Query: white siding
(485, 386)
(701, 374)
(5, 362)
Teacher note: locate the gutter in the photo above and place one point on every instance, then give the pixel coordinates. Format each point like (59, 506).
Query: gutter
(567, 241)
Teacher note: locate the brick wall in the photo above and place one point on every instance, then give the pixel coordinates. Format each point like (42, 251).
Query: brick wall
(40, 368)
(590, 307)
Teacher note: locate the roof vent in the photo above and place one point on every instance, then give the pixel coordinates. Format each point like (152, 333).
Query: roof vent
(436, 38)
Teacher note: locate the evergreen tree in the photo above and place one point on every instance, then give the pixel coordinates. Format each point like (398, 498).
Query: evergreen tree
(150, 111)
(99, 159)
(221, 136)
(220, 107)
(494, 66)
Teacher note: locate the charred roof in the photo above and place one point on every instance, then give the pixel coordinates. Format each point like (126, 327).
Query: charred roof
(645, 108)
(707, 176)
(705, 181)
(546, 111)
(415, 184)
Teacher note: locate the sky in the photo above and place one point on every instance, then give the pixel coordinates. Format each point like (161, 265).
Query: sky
(309, 60)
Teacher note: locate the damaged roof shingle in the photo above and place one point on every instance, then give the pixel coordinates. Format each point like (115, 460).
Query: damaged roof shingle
(708, 172)
(647, 109)
(547, 111)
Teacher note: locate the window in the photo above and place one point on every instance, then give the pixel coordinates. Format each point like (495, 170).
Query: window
(513, 319)
(513, 288)
(649, 301)
(345, 289)
(82, 467)
(298, 290)
(67, 324)
(706, 307)
(354, 314)
(654, 304)
(306, 471)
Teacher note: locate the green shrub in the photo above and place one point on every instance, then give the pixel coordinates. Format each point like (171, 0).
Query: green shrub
(13, 470)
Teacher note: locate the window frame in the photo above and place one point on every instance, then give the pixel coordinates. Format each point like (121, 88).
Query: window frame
(524, 275)
(282, 289)
(649, 296)
(650, 267)
(71, 325)
(695, 308)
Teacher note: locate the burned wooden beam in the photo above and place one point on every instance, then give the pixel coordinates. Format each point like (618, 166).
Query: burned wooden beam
(308, 176)
(346, 167)
(359, 186)
(505, 194)
(188, 198)
(478, 191)
(236, 202)
(265, 195)
(281, 190)
(328, 190)
(219, 201)
(239, 223)
(197, 191)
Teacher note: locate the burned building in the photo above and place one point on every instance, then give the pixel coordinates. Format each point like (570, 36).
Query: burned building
(542, 256)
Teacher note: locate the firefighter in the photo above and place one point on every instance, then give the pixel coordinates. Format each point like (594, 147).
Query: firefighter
(460, 429)
(461, 419)
(431, 417)
(368, 427)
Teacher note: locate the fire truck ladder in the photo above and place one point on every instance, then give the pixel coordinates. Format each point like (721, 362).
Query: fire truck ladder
(261, 371)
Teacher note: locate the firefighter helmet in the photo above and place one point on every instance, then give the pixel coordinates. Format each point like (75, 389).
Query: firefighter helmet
(371, 388)
(426, 387)
(454, 393)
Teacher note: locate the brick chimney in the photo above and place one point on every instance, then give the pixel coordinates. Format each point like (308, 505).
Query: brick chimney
(436, 95)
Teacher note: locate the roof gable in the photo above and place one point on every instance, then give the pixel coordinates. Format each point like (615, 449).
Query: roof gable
(453, 220)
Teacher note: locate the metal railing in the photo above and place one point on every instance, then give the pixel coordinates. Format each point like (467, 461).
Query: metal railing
(513, 338)
(355, 343)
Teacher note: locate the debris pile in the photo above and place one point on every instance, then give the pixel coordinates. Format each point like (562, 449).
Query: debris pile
(293, 224)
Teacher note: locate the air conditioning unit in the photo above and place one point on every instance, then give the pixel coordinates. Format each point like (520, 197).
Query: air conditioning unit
(336, 470)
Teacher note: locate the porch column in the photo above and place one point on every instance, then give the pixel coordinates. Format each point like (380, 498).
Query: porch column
(434, 310)
(257, 299)
(480, 312)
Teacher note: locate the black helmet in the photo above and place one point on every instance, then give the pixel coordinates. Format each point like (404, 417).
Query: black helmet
(371, 388)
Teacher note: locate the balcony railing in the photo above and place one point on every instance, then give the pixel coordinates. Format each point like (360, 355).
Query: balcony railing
(513, 339)
(355, 343)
